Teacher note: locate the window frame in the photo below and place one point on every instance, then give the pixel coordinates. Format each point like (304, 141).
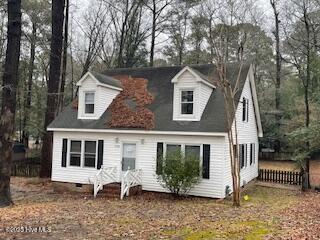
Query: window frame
(183, 148)
(95, 154)
(136, 155)
(82, 156)
(69, 153)
(186, 102)
(85, 103)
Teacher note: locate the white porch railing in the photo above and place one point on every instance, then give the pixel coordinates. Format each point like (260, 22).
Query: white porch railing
(130, 179)
(105, 176)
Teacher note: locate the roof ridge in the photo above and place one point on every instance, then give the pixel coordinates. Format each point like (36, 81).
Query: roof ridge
(157, 67)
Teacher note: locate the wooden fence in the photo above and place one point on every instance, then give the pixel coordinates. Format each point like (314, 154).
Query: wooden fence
(29, 167)
(276, 176)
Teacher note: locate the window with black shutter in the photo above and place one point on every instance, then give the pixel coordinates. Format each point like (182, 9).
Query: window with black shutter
(244, 108)
(100, 154)
(206, 162)
(252, 153)
(64, 152)
(159, 158)
(242, 155)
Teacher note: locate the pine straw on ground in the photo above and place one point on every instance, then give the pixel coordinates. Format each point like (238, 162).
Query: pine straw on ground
(268, 214)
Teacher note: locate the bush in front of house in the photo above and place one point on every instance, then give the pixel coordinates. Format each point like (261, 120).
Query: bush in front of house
(179, 173)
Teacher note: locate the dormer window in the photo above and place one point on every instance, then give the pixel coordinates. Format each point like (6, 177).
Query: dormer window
(187, 102)
(89, 103)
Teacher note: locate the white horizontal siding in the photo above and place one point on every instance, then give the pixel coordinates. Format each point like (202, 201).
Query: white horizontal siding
(202, 94)
(247, 133)
(103, 98)
(146, 159)
(205, 93)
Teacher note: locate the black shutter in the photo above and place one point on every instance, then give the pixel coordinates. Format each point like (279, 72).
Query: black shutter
(206, 162)
(244, 107)
(64, 152)
(159, 158)
(246, 155)
(241, 155)
(100, 154)
(247, 102)
(251, 151)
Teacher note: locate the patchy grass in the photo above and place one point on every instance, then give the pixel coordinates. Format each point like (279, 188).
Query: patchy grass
(268, 214)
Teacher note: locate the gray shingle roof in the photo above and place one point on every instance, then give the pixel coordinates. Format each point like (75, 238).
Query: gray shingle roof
(213, 117)
(104, 79)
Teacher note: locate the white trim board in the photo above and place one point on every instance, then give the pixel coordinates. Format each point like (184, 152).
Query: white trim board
(89, 74)
(198, 78)
(213, 134)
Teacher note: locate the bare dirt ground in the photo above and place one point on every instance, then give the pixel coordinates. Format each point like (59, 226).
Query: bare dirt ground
(268, 214)
(278, 165)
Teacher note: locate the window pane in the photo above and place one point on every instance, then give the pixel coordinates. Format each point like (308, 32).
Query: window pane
(128, 163)
(187, 108)
(173, 148)
(89, 98)
(75, 159)
(89, 108)
(90, 147)
(89, 160)
(192, 152)
(129, 150)
(75, 146)
(187, 96)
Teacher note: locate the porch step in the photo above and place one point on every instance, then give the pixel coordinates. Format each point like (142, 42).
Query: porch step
(113, 190)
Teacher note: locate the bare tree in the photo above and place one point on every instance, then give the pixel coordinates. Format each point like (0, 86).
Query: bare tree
(94, 30)
(37, 13)
(64, 58)
(300, 50)
(276, 32)
(157, 7)
(53, 84)
(234, 13)
(9, 90)
(177, 30)
(130, 31)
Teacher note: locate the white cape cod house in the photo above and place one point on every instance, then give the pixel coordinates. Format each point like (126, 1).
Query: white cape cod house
(124, 120)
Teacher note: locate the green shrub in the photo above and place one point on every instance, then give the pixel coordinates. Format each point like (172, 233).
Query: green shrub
(179, 173)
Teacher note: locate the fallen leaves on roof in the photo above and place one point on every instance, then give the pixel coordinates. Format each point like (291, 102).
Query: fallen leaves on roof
(129, 108)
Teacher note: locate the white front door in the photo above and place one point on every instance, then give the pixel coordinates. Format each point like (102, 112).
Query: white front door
(129, 156)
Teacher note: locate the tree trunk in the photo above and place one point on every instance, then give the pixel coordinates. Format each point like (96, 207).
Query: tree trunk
(278, 75)
(8, 108)
(153, 34)
(25, 134)
(65, 56)
(306, 84)
(53, 84)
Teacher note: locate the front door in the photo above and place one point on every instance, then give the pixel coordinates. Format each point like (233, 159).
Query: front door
(128, 156)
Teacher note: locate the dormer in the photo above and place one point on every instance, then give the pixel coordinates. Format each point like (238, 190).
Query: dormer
(192, 91)
(96, 92)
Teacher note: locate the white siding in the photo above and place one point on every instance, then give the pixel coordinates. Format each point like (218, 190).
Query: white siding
(205, 93)
(146, 159)
(202, 93)
(103, 98)
(247, 133)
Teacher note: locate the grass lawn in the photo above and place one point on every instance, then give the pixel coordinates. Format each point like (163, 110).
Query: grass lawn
(268, 214)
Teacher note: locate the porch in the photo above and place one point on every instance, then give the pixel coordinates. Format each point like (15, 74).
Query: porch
(110, 175)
